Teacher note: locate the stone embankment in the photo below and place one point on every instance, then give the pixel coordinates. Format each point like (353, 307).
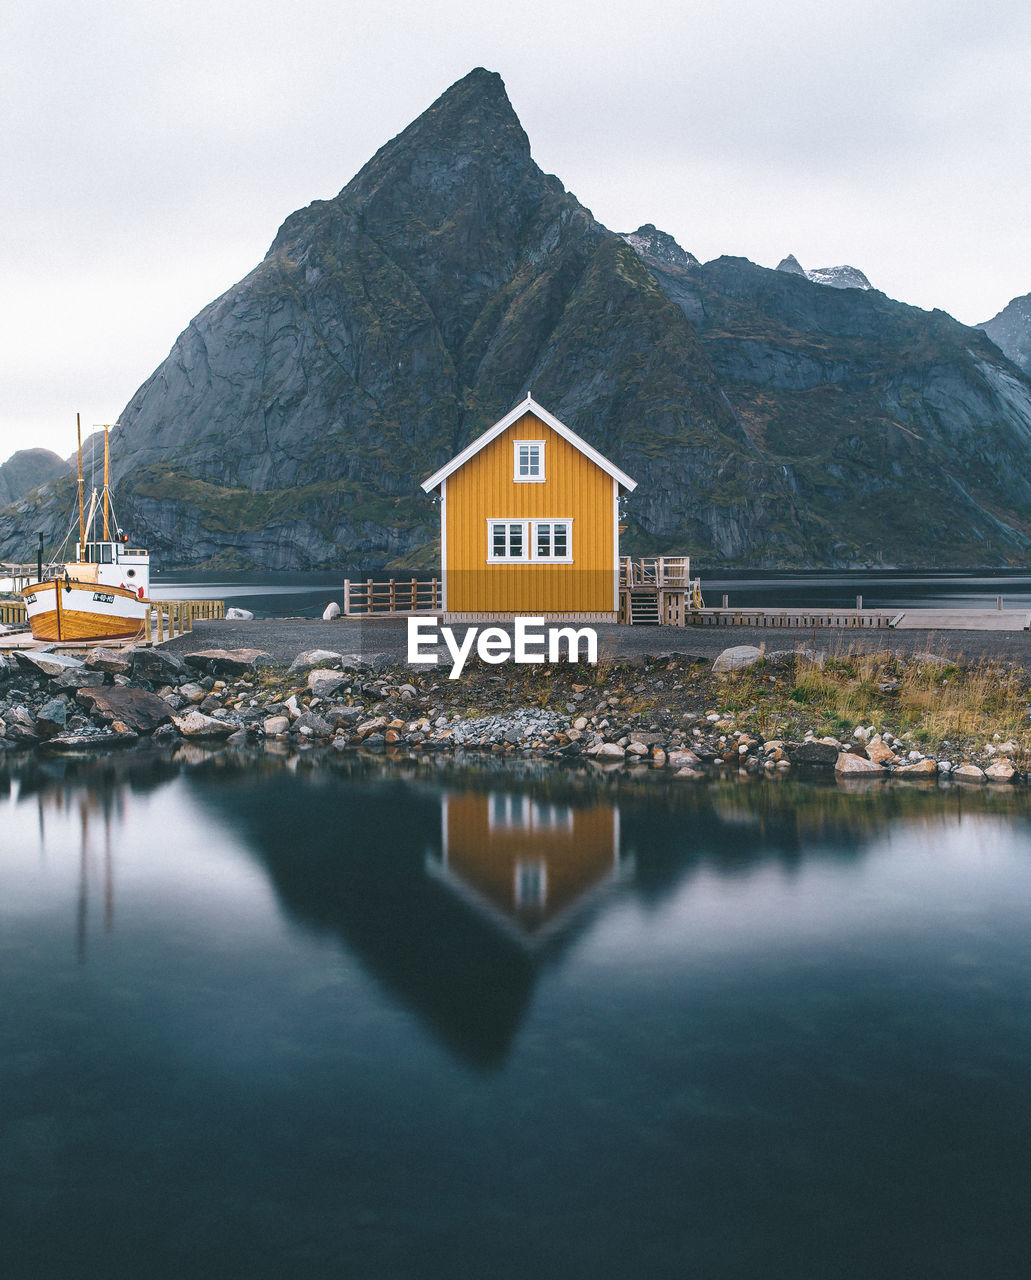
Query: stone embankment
(663, 714)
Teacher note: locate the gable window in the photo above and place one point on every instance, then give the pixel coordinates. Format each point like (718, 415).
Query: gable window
(529, 461)
(507, 540)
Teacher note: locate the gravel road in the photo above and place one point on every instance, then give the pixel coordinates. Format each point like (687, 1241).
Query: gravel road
(284, 638)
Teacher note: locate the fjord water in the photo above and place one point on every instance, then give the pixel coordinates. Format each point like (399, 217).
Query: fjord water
(306, 595)
(302, 1018)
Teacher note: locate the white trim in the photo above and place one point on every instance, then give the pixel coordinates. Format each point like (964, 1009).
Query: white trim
(529, 405)
(443, 544)
(516, 477)
(524, 525)
(530, 556)
(566, 559)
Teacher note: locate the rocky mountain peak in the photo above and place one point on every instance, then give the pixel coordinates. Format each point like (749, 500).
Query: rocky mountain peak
(1010, 330)
(843, 277)
(658, 248)
(791, 265)
(27, 469)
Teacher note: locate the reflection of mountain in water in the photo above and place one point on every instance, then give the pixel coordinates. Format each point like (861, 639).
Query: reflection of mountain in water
(350, 861)
(454, 895)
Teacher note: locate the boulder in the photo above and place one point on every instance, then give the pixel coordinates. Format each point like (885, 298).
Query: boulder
(228, 662)
(968, 773)
(73, 743)
(331, 611)
(822, 755)
(312, 658)
(737, 657)
(52, 717)
(276, 724)
(5, 667)
(239, 615)
(607, 751)
(50, 664)
(324, 684)
(372, 726)
(312, 724)
(849, 765)
(197, 725)
(156, 665)
(880, 752)
(116, 661)
(140, 710)
(79, 678)
(682, 759)
(918, 769)
(24, 734)
(1001, 771)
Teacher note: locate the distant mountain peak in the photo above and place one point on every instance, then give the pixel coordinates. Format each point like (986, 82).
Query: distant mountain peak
(1010, 330)
(658, 247)
(791, 265)
(843, 277)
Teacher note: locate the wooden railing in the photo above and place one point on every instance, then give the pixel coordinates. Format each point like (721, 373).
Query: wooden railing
(397, 596)
(655, 571)
(168, 618)
(12, 613)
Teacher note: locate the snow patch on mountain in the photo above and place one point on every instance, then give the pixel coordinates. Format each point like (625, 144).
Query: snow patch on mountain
(658, 247)
(843, 277)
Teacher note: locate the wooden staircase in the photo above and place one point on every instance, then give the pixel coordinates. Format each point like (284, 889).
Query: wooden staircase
(657, 591)
(643, 608)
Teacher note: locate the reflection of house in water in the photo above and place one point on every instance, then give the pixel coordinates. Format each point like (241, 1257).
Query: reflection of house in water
(529, 866)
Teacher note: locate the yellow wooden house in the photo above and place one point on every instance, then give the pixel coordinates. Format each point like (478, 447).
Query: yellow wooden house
(529, 523)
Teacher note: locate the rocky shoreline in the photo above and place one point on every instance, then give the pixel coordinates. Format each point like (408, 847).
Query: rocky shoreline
(672, 716)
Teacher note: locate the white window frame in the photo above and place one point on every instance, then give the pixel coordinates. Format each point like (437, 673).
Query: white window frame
(567, 558)
(529, 528)
(522, 444)
(507, 559)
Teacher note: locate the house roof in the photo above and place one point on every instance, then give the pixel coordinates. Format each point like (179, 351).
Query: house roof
(529, 405)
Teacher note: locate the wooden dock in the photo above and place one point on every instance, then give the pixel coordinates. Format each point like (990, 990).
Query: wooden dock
(963, 620)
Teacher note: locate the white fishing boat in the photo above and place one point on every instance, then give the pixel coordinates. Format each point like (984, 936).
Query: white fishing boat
(102, 593)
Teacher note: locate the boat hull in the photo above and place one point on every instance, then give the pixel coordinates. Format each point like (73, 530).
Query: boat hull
(69, 609)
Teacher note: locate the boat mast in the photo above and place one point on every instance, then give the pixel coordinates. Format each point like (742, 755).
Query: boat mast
(82, 521)
(107, 535)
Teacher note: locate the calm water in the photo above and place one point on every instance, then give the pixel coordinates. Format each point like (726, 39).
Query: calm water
(306, 595)
(293, 1019)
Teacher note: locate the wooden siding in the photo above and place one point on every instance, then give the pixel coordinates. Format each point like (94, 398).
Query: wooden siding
(574, 488)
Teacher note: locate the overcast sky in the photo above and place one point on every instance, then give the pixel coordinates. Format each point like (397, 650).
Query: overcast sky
(150, 151)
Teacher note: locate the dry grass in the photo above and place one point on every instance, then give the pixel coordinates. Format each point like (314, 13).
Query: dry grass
(934, 700)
